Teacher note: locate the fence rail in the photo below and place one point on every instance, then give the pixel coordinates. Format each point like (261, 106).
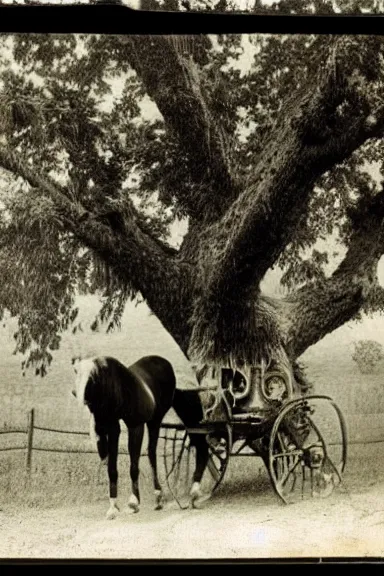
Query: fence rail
(31, 427)
(30, 441)
(61, 431)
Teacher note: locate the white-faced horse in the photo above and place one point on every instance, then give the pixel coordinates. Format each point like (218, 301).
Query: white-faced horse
(139, 394)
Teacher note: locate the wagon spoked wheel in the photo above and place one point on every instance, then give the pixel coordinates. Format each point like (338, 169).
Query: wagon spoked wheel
(307, 449)
(219, 448)
(180, 462)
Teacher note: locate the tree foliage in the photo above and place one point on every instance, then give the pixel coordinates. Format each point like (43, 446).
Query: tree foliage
(319, 7)
(367, 354)
(107, 142)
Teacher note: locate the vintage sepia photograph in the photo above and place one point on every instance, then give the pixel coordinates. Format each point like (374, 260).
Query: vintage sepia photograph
(191, 296)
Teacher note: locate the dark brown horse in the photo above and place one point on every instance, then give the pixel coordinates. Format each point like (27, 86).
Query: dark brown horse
(139, 395)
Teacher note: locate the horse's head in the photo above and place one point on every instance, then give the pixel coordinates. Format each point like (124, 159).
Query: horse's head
(83, 369)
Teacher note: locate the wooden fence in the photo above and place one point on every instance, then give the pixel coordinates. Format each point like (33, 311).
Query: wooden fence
(31, 427)
(29, 446)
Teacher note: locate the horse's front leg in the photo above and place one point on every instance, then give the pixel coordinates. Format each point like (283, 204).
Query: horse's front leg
(99, 434)
(153, 436)
(135, 440)
(113, 447)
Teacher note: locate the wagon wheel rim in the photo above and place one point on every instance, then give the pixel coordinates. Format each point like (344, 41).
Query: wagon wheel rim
(289, 462)
(283, 466)
(174, 456)
(219, 456)
(337, 468)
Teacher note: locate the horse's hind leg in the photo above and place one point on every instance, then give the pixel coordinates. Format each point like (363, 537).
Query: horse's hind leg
(113, 444)
(153, 436)
(135, 440)
(202, 456)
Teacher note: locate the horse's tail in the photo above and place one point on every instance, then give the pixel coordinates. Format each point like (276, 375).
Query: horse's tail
(187, 405)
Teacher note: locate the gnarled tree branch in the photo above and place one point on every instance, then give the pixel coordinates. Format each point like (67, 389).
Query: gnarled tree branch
(321, 127)
(136, 257)
(314, 311)
(172, 78)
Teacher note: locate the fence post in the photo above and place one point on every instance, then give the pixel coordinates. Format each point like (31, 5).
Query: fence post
(31, 420)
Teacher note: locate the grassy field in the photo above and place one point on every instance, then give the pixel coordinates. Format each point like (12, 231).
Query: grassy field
(141, 334)
(329, 366)
(59, 477)
(65, 480)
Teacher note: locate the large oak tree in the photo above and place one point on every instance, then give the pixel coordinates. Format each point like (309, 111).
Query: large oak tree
(263, 157)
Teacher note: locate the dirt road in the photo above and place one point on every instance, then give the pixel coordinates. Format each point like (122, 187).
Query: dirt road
(232, 525)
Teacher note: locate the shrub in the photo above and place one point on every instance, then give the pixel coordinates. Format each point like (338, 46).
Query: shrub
(367, 355)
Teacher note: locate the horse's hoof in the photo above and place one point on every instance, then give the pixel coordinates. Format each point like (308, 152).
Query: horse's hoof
(197, 499)
(159, 500)
(112, 513)
(133, 504)
(159, 504)
(195, 495)
(196, 503)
